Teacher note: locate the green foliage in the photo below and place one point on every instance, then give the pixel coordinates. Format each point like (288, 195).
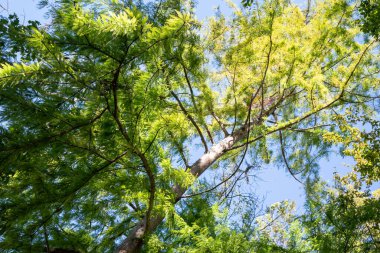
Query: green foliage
(109, 115)
(361, 144)
(370, 12)
(247, 3)
(343, 218)
(13, 39)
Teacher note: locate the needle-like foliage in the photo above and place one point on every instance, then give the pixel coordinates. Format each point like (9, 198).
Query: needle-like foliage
(119, 107)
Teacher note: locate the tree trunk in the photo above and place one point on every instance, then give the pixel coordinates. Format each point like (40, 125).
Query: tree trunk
(134, 242)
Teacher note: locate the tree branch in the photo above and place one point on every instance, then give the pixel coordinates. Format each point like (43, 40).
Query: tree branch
(285, 159)
(143, 158)
(189, 117)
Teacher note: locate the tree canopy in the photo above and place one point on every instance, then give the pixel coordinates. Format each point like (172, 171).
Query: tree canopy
(370, 11)
(131, 126)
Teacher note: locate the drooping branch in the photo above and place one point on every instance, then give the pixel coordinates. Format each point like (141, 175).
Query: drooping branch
(180, 149)
(285, 159)
(190, 86)
(193, 99)
(189, 117)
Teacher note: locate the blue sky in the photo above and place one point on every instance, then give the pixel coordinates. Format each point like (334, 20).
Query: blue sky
(274, 183)
(25, 9)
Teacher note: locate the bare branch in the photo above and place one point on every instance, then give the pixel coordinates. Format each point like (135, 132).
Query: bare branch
(285, 159)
